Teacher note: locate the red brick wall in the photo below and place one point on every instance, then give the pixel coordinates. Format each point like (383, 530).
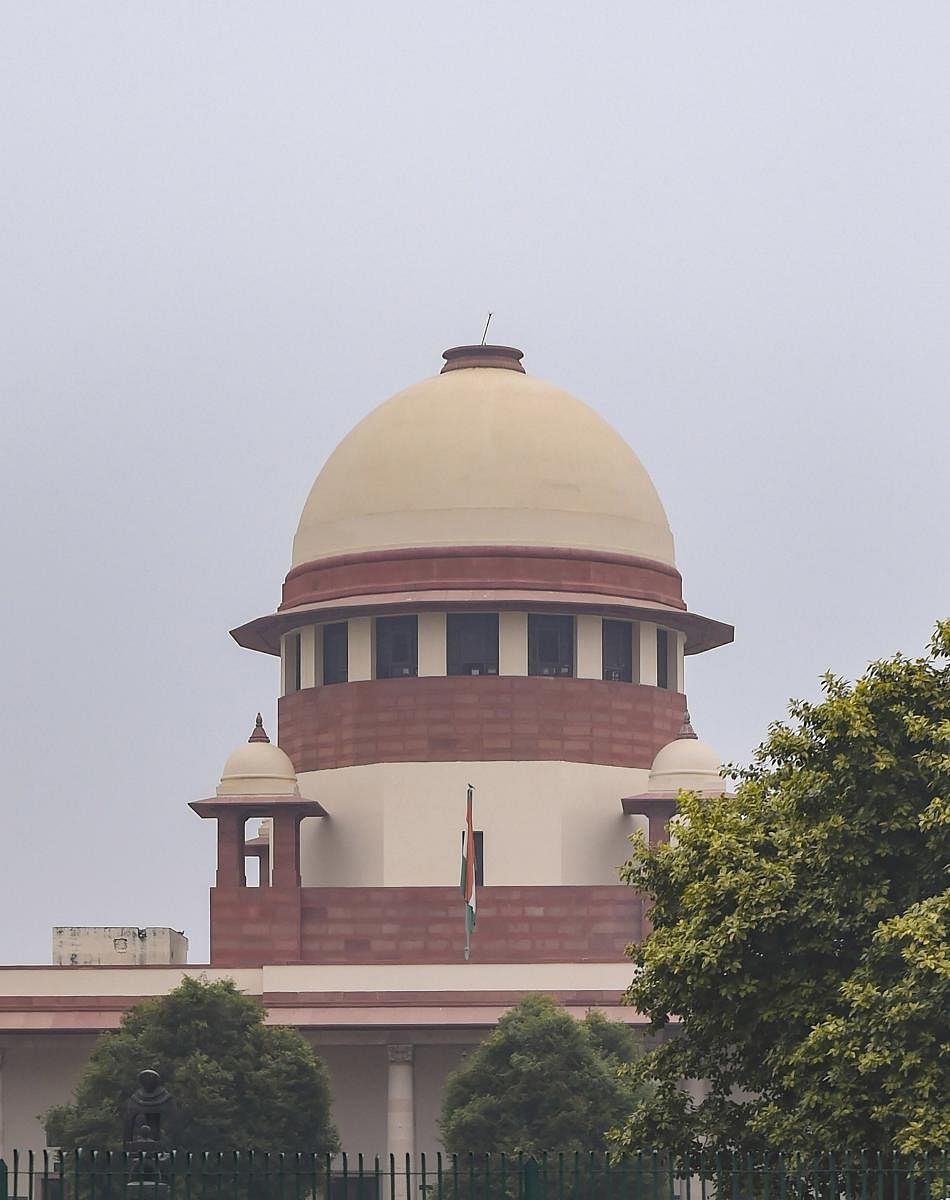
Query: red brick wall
(487, 718)
(423, 925)
(252, 925)
(511, 567)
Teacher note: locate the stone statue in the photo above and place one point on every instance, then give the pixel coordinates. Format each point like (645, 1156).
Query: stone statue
(150, 1107)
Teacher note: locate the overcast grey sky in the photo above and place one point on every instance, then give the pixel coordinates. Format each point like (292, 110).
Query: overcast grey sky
(229, 230)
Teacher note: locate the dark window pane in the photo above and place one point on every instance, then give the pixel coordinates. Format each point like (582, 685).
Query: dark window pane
(550, 645)
(471, 644)
(662, 658)
(292, 663)
(397, 647)
(335, 653)
(479, 855)
(618, 651)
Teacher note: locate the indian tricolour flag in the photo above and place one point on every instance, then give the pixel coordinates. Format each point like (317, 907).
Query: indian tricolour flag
(467, 880)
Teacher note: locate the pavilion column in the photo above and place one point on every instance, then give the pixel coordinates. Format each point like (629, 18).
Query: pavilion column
(285, 842)
(263, 858)
(262, 854)
(659, 823)
(400, 1113)
(230, 850)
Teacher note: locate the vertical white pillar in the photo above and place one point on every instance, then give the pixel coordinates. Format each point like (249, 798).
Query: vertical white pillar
(648, 653)
(360, 648)
(3, 1143)
(431, 643)
(679, 675)
(307, 663)
(512, 643)
(590, 646)
(400, 1113)
(635, 650)
(283, 665)
(318, 656)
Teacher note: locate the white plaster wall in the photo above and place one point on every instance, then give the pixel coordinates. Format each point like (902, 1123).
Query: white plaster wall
(398, 824)
(446, 977)
(358, 1066)
(347, 846)
(39, 1070)
(359, 1077)
(433, 1065)
(118, 945)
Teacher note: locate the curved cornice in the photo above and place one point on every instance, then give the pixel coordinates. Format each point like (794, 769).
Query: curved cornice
(513, 568)
(459, 578)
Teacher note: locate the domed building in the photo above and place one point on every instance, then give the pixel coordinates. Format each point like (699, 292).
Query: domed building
(482, 591)
(482, 594)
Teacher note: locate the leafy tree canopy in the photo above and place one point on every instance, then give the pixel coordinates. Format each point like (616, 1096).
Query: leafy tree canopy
(238, 1083)
(801, 931)
(540, 1081)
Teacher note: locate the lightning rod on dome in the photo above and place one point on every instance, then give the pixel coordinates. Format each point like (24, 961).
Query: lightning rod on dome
(485, 331)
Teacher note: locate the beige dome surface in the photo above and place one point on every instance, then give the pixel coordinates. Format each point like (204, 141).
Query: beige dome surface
(483, 456)
(687, 763)
(258, 769)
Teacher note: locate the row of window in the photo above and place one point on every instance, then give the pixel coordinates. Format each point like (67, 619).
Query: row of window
(471, 648)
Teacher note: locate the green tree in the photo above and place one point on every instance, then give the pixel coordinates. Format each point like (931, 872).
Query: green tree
(239, 1084)
(540, 1081)
(800, 932)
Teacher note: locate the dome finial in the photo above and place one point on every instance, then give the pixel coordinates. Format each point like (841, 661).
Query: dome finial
(260, 736)
(686, 729)
(505, 358)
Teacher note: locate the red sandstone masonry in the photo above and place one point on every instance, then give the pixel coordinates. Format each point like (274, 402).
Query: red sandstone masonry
(484, 567)
(485, 718)
(423, 925)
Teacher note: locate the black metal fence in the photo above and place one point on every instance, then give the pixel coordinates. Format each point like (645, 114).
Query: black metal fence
(105, 1175)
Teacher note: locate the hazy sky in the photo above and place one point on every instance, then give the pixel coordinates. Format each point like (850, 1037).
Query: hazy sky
(227, 231)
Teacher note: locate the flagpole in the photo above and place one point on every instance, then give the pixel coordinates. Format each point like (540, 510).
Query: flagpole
(469, 850)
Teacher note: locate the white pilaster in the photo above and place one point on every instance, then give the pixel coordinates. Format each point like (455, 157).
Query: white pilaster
(360, 648)
(308, 676)
(680, 652)
(648, 653)
(431, 643)
(590, 646)
(400, 1112)
(512, 643)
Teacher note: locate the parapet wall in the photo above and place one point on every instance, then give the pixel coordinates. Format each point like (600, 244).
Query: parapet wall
(334, 925)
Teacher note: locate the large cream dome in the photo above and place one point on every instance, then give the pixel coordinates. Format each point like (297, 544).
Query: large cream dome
(480, 456)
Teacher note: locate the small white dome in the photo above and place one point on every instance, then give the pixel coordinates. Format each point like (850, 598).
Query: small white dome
(687, 763)
(258, 768)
